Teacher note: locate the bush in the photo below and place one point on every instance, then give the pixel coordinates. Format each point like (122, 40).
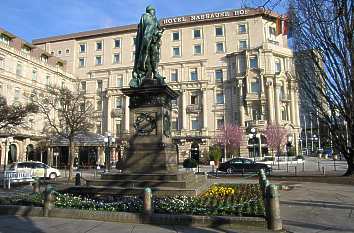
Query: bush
(215, 153)
(204, 160)
(291, 152)
(189, 163)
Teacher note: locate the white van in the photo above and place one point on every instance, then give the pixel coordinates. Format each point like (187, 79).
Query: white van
(38, 169)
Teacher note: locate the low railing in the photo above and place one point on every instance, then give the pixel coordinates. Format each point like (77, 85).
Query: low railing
(9, 177)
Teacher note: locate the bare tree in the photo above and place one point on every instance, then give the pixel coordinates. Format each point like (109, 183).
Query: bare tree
(323, 33)
(276, 137)
(67, 113)
(14, 115)
(230, 137)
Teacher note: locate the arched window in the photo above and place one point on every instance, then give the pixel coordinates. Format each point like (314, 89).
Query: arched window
(277, 66)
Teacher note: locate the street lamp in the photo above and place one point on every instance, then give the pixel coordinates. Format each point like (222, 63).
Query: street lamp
(7, 142)
(108, 142)
(253, 136)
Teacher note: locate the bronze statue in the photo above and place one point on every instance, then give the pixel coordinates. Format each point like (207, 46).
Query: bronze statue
(147, 49)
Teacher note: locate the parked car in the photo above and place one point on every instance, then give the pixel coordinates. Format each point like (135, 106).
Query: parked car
(38, 169)
(239, 165)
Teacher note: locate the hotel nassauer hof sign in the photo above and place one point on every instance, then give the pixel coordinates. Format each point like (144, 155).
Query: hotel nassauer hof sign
(205, 17)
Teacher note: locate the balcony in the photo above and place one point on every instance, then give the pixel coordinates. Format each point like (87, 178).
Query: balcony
(255, 123)
(193, 108)
(118, 112)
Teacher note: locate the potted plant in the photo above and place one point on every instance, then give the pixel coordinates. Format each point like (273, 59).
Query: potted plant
(215, 154)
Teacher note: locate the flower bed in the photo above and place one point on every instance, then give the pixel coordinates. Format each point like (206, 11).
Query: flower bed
(218, 200)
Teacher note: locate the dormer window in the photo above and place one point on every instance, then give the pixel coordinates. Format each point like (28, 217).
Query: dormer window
(5, 39)
(60, 65)
(44, 58)
(26, 49)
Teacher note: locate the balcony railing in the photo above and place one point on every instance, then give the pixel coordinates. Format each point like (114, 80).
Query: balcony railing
(255, 123)
(193, 108)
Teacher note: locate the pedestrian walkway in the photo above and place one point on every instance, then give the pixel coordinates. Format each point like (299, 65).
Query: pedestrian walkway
(14, 224)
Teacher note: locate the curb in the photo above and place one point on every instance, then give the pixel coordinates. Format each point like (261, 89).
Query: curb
(125, 217)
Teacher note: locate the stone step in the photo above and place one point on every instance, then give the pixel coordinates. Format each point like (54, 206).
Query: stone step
(150, 176)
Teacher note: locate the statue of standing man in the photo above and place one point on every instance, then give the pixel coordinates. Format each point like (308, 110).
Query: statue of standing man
(147, 49)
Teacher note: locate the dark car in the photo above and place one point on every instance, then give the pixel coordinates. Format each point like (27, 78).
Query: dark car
(243, 165)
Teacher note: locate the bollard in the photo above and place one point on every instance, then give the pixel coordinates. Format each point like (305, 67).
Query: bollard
(273, 208)
(334, 164)
(36, 187)
(264, 188)
(77, 179)
(287, 166)
(295, 171)
(319, 168)
(147, 201)
(49, 199)
(303, 166)
(323, 171)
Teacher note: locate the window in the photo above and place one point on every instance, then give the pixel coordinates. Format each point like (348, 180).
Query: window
(118, 128)
(175, 124)
(220, 98)
(52, 53)
(98, 60)
(174, 102)
(5, 39)
(81, 62)
(26, 49)
(118, 102)
(220, 47)
(219, 31)
(17, 94)
(197, 49)
(134, 41)
(59, 52)
(82, 48)
(44, 58)
(174, 75)
(218, 75)
(119, 82)
(99, 45)
(243, 44)
(253, 62)
(99, 105)
(83, 86)
(2, 62)
(284, 114)
(175, 36)
(242, 64)
(116, 58)
(47, 80)
(98, 128)
(277, 66)
(82, 107)
(256, 113)
(99, 85)
(19, 69)
(194, 99)
(194, 74)
(62, 84)
(34, 75)
(116, 43)
(176, 52)
(220, 123)
(195, 124)
(255, 87)
(197, 34)
(272, 32)
(67, 51)
(242, 28)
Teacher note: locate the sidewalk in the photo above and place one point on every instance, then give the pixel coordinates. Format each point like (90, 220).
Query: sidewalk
(15, 224)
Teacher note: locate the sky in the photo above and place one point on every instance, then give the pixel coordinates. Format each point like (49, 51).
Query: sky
(34, 19)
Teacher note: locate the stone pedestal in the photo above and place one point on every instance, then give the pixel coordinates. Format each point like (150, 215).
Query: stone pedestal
(151, 149)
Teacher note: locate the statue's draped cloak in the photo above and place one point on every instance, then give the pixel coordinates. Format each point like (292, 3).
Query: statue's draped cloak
(146, 29)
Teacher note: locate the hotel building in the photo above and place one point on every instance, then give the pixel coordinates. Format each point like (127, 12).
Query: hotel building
(26, 71)
(230, 67)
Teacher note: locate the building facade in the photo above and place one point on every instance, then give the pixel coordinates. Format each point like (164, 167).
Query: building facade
(26, 71)
(229, 67)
